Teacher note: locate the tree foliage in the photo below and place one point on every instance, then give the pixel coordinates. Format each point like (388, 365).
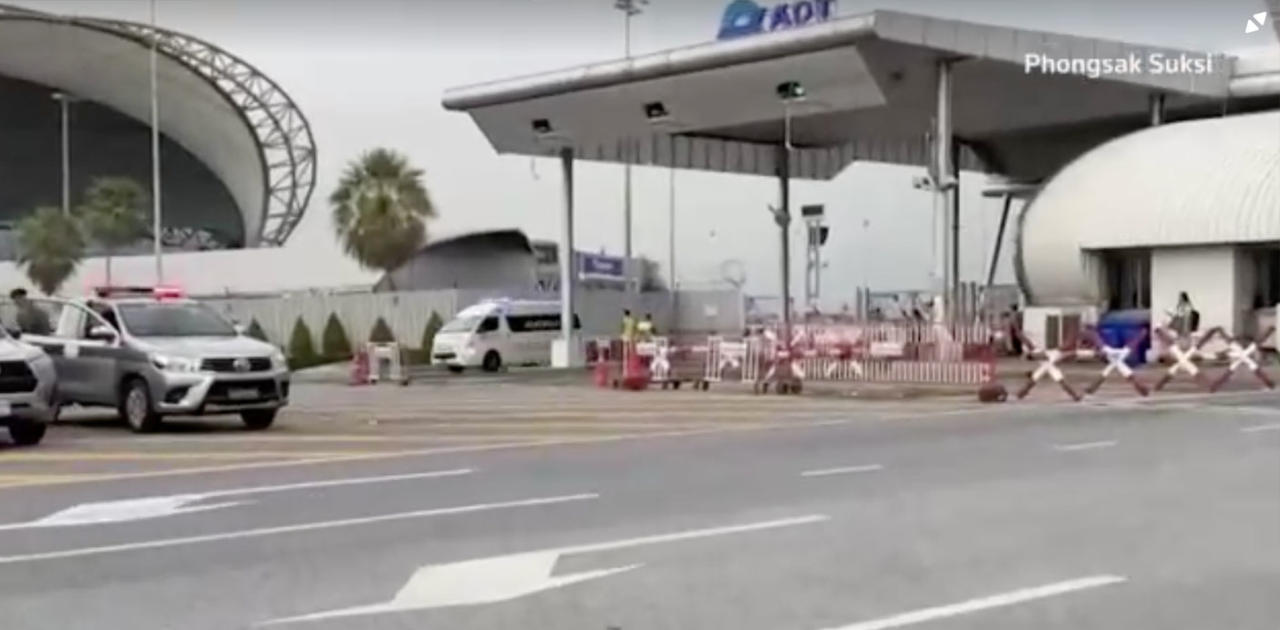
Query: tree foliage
(380, 209)
(256, 331)
(114, 214)
(302, 350)
(333, 341)
(429, 333)
(50, 247)
(381, 332)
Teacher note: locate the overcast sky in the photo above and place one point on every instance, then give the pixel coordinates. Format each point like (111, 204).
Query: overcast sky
(371, 72)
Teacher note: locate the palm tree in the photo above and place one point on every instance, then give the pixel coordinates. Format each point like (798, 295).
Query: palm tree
(114, 214)
(50, 246)
(380, 208)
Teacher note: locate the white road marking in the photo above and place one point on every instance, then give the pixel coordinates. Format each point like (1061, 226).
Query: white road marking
(285, 529)
(125, 510)
(848, 470)
(1083, 446)
(985, 603)
(503, 578)
(1261, 427)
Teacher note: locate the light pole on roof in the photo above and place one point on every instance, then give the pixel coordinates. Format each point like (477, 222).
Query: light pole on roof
(630, 9)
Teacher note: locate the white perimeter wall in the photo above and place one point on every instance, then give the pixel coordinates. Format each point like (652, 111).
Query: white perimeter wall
(407, 313)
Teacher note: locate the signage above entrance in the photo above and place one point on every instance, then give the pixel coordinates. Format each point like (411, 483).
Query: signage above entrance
(746, 17)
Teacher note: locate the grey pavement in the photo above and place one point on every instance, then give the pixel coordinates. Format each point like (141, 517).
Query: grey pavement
(1157, 515)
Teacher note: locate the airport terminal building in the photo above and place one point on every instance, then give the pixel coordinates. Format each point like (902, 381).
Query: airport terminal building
(237, 155)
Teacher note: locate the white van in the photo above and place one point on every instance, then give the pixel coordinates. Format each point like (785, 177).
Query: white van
(495, 333)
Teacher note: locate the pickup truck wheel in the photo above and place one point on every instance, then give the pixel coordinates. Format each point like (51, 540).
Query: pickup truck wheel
(27, 433)
(258, 419)
(136, 407)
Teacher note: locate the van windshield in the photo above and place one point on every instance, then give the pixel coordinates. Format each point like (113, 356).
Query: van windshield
(461, 324)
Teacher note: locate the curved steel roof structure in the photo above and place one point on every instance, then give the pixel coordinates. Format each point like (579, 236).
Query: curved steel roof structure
(1202, 182)
(217, 106)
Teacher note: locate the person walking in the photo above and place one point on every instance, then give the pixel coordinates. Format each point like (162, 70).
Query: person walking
(32, 320)
(628, 326)
(1186, 319)
(645, 329)
(1015, 330)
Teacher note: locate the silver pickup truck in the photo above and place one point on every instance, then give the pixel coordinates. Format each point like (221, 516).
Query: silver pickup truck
(151, 355)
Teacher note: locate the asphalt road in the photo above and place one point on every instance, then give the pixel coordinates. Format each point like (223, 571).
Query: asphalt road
(657, 511)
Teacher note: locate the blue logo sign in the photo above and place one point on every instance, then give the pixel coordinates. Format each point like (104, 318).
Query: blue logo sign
(745, 17)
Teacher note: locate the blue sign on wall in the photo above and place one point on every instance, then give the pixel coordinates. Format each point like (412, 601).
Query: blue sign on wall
(600, 266)
(745, 17)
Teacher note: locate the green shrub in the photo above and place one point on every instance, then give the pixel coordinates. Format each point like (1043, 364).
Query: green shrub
(422, 354)
(382, 332)
(255, 331)
(334, 343)
(429, 333)
(302, 351)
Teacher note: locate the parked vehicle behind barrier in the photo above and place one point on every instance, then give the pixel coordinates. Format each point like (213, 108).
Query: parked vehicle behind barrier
(495, 333)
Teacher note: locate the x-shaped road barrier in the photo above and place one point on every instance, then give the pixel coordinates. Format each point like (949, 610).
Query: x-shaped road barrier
(1116, 359)
(1242, 356)
(1184, 355)
(1049, 367)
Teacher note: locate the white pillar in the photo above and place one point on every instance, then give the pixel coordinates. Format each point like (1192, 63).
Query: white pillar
(566, 352)
(1156, 105)
(942, 169)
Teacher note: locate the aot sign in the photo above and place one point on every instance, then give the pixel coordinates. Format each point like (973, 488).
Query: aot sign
(745, 17)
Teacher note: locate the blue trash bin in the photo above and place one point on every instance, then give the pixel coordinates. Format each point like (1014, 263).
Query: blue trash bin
(1119, 328)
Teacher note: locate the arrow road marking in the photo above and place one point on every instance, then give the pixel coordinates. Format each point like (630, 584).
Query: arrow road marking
(994, 601)
(158, 507)
(286, 529)
(502, 578)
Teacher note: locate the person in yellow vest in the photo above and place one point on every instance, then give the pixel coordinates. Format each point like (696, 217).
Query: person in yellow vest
(645, 328)
(628, 327)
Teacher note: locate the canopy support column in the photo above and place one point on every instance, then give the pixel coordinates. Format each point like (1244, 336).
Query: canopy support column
(567, 353)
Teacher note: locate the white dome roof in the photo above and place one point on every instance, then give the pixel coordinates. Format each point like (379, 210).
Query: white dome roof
(1201, 182)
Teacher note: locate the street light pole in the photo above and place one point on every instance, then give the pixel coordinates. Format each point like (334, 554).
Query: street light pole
(155, 154)
(630, 9)
(64, 101)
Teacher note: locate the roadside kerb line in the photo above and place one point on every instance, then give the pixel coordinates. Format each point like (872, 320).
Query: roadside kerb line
(1083, 446)
(1261, 427)
(847, 470)
(284, 529)
(443, 450)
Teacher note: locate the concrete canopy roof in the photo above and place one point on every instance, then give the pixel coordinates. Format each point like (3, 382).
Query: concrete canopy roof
(222, 110)
(870, 81)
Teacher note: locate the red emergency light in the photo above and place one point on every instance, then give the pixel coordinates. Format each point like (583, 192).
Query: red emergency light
(168, 292)
(159, 293)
